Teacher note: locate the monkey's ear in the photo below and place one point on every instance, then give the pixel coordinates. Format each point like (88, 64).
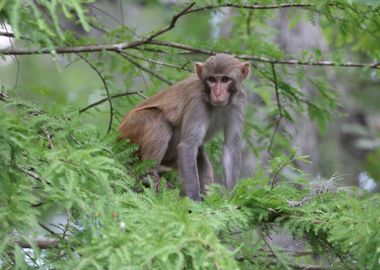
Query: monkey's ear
(245, 67)
(198, 69)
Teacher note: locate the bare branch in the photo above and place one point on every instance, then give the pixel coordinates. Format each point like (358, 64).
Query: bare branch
(46, 228)
(183, 47)
(158, 62)
(261, 233)
(251, 6)
(309, 63)
(279, 106)
(100, 47)
(105, 87)
(63, 237)
(264, 59)
(106, 99)
(76, 49)
(150, 40)
(172, 22)
(92, 6)
(278, 170)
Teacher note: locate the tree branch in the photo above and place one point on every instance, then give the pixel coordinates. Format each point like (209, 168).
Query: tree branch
(278, 170)
(251, 6)
(154, 74)
(172, 22)
(105, 87)
(75, 49)
(279, 106)
(264, 59)
(106, 99)
(156, 62)
(149, 40)
(97, 48)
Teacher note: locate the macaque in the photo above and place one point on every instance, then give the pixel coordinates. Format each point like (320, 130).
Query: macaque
(172, 126)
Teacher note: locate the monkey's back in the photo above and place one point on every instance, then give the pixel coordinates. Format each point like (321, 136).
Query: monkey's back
(166, 106)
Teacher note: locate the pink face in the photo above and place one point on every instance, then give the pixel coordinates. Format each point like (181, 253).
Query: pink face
(219, 89)
(221, 74)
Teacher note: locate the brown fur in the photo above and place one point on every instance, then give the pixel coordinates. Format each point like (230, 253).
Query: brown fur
(171, 126)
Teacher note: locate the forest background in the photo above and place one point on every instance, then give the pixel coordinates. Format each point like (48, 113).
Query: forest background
(71, 196)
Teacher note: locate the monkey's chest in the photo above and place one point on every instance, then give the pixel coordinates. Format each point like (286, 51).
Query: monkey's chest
(216, 124)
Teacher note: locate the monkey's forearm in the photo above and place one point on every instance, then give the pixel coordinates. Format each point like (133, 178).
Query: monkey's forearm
(231, 165)
(188, 169)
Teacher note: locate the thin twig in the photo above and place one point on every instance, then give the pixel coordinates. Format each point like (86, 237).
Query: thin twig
(278, 170)
(183, 47)
(264, 59)
(269, 246)
(32, 174)
(46, 228)
(158, 62)
(151, 72)
(152, 50)
(251, 6)
(279, 106)
(91, 6)
(31, 258)
(48, 137)
(106, 99)
(75, 49)
(105, 87)
(64, 234)
(172, 22)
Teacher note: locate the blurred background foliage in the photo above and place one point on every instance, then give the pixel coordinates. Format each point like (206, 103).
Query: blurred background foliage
(65, 179)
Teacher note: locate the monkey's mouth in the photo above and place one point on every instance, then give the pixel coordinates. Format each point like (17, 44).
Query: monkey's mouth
(219, 103)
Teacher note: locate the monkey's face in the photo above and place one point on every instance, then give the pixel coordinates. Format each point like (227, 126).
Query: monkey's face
(222, 75)
(219, 87)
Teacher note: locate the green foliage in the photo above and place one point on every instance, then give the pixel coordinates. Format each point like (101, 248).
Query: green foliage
(54, 162)
(112, 226)
(43, 16)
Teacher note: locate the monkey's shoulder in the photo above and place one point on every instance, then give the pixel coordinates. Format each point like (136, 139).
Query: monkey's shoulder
(173, 101)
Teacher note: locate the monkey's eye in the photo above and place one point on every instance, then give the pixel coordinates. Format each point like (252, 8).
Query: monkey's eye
(225, 79)
(211, 79)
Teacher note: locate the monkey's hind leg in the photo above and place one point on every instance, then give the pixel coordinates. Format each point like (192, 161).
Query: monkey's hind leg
(205, 171)
(155, 143)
